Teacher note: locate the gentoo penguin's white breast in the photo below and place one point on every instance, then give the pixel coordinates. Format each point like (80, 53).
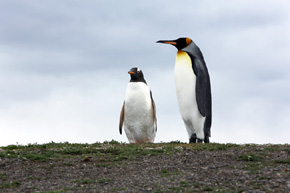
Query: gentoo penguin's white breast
(138, 120)
(137, 95)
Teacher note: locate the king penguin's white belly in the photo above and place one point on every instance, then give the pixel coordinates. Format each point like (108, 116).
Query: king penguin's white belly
(138, 121)
(185, 83)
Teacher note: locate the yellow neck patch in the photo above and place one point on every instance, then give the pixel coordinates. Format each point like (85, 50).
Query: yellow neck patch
(183, 59)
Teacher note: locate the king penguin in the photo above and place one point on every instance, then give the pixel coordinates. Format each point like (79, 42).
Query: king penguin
(193, 90)
(138, 113)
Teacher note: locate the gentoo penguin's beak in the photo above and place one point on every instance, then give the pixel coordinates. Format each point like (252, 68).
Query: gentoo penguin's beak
(167, 42)
(131, 72)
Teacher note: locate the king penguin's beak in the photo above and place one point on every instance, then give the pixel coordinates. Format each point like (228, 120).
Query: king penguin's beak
(167, 42)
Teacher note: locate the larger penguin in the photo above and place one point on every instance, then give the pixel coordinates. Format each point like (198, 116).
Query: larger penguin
(138, 113)
(193, 89)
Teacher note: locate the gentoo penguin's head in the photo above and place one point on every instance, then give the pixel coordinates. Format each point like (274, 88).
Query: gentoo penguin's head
(180, 43)
(136, 75)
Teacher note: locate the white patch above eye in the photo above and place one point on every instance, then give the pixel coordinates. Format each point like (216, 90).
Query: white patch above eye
(138, 69)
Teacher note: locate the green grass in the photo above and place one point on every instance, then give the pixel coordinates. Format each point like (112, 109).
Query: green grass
(213, 146)
(283, 161)
(56, 191)
(33, 178)
(3, 176)
(103, 180)
(167, 173)
(119, 189)
(90, 181)
(84, 181)
(10, 184)
(113, 151)
(110, 151)
(250, 157)
(67, 164)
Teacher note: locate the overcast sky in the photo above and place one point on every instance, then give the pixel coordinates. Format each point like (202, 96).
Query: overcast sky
(64, 64)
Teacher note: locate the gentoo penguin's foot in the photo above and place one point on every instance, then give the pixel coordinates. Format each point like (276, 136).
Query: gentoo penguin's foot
(192, 138)
(206, 139)
(199, 140)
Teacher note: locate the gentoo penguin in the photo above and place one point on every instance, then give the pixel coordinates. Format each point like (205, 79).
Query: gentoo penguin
(138, 113)
(193, 89)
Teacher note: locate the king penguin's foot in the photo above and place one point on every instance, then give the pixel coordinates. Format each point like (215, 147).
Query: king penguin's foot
(199, 140)
(192, 138)
(206, 139)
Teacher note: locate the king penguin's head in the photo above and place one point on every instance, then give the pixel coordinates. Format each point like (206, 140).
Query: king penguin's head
(136, 75)
(180, 43)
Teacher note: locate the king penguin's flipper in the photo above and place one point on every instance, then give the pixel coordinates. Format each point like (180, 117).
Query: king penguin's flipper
(198, 66)
(121, 118)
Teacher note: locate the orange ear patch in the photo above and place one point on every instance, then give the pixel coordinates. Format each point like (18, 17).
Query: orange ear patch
(188, 41)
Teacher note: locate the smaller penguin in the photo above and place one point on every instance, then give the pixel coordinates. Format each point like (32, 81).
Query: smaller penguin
(138, 113)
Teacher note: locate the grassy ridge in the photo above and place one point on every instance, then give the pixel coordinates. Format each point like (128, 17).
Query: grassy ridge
(115, 151)
(250, 161)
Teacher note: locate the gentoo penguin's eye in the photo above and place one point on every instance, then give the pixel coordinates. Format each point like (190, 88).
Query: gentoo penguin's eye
(138, 70)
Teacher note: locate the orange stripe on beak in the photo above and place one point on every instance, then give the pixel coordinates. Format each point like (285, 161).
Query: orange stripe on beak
(131, 72)
(172, 43)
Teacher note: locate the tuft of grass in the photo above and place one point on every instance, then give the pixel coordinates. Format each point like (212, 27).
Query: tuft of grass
(84, 181)
(57, 191)
(176, 142)
(3, 176)
(67, 164)
(207, 189)
(183, 183)
(33, 178)
(212, 146)
(10, 184)
(282, 161)
(253, 167)
(112, 142)
(121, 189)
(176, 188)
(250, 157)
(167, 173)
(104, 180)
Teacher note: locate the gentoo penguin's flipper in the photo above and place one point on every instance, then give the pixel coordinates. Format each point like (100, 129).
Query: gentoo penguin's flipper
(154, 111)
(122, 118)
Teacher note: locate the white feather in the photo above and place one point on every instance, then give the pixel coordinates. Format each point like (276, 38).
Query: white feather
(185, 81)
(139, 124)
